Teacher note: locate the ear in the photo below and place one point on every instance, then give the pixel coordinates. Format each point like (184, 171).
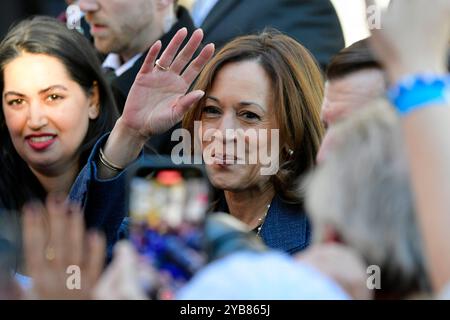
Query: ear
(94, 102)
(161, 5)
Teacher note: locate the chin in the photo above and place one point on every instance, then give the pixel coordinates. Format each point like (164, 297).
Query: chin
(230, 178)
(103, 46)
(42, 162)
(223, 183)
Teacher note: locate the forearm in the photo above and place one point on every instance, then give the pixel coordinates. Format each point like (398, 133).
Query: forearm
(427, 137)
(122, 148)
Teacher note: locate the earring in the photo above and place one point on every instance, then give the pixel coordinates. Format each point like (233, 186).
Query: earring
(290, 152)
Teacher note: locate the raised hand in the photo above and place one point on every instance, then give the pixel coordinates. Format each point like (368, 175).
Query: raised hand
(158, 99)
(126, 276)
(53, 250)
(414, 40)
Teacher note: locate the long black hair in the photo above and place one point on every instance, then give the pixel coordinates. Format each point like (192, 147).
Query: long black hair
(44, 35)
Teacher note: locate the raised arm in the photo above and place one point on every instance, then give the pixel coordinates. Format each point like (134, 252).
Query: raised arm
(413, 43)
(158, 98)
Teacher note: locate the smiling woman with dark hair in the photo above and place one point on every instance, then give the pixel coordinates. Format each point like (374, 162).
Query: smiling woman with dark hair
(261, 83)
(55, 106)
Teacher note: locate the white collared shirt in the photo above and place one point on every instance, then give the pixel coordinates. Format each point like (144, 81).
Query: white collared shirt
(112, 61)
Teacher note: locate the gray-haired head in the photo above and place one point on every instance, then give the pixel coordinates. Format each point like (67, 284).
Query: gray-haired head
(362, 192)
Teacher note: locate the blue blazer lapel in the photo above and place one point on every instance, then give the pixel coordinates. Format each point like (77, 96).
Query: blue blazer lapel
(286, 227)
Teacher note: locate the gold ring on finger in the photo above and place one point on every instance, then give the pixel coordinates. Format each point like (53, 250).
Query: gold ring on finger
(160, 67)
(50, 253)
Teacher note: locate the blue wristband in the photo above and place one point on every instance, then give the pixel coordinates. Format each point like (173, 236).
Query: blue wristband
(418, 91)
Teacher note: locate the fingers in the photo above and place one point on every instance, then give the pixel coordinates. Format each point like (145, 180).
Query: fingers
(188, 51)
(75, 235)
(34, 237)
(170, 52)
(57, 210)
(149, 61)
(120, 280)
(198, 64)
(96, 257)
(130, 286)
(185, 103)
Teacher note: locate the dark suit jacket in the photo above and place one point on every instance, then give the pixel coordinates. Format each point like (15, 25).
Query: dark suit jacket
(160, 144)
(313, 23)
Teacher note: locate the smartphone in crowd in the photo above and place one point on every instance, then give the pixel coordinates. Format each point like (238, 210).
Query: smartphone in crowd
(167, 206)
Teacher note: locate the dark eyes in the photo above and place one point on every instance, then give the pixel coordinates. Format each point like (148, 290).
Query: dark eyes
(246, 115)
(54, 97)
(211, 110)
(20, 101)
(250, 115)
(15, 102)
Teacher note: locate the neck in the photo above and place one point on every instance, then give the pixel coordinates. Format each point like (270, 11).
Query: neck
(58, 180)
(139, 44)
(148, 36)
(250, 206)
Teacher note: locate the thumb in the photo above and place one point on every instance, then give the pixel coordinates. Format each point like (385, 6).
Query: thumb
(186, 102)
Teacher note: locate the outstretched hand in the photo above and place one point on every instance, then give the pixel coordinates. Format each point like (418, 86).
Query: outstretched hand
(58, 250)
(158, 99)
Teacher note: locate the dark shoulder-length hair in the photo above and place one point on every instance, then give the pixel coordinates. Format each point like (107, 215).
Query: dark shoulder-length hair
(297, 92)
(44, 35)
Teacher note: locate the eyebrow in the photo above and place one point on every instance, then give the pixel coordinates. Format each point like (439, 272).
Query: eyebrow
(57, 86)
(242, 103)
(14, 93)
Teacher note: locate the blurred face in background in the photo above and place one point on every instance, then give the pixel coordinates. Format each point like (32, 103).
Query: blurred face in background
(344, 95)
(47, 113)
(121, 26)
(238, 100)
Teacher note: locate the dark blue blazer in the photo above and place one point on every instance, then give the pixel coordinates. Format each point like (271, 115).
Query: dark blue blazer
(103, 201)
(286, 226)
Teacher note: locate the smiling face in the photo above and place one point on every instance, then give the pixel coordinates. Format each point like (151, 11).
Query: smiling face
(46, 112)
(240, 100)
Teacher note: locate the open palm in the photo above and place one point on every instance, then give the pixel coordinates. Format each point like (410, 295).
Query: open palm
(158, 99)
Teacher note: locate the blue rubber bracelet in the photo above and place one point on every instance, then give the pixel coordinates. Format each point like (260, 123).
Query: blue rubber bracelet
(418, 91)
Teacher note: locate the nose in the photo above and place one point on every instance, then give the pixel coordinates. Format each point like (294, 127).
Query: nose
(227, 128)
(37, 117)
(88, 5)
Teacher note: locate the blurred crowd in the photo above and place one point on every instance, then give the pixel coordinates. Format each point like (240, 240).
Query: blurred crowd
(323, 170)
